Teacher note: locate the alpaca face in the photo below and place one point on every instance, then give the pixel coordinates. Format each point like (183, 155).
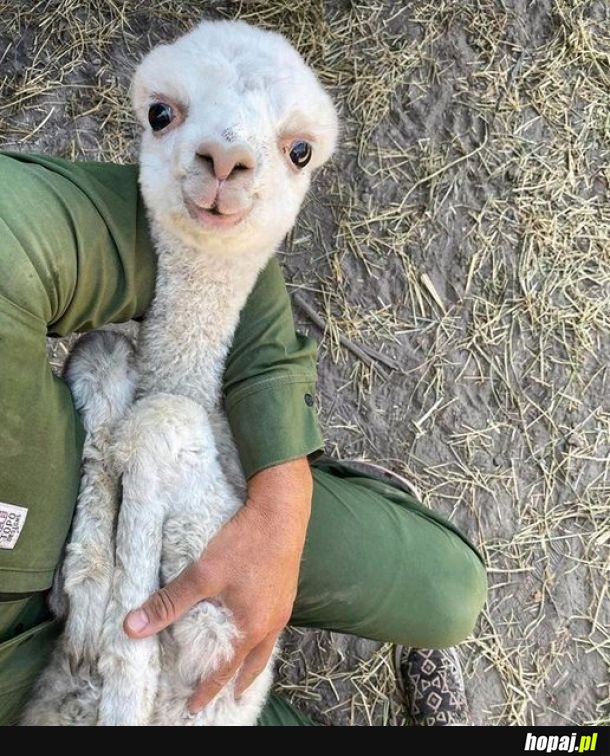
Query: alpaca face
(234, 124)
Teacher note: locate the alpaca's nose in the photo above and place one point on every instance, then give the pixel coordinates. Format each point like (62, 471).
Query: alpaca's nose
(226, 160)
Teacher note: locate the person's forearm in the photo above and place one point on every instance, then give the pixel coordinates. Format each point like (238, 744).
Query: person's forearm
(282, 494)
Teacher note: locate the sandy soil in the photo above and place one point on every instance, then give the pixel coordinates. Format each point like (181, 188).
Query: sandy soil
(463, 234)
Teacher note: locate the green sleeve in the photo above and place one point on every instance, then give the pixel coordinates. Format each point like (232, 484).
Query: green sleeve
(90, 262)
(270, 380)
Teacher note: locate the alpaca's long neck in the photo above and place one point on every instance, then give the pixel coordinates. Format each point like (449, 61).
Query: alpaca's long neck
(190, 325)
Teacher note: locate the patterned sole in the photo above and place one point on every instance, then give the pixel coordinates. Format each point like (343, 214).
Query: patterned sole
(433, 686)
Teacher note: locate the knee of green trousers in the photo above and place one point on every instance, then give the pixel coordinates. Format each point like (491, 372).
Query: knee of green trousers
(458, 604)
(380, 565)
(74, 246)
(36, 220)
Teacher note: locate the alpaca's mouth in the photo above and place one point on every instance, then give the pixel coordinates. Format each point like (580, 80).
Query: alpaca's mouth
(212, 217)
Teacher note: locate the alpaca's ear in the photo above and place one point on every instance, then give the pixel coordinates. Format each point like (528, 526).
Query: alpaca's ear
(139, 91)
(135, 96)
(326, 132)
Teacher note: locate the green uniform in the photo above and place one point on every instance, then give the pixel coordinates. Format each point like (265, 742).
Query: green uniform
(75, 254)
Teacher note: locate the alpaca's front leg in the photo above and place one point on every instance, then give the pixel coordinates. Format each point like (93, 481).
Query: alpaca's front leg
(154, 449)
(101, 377)
(204, 639)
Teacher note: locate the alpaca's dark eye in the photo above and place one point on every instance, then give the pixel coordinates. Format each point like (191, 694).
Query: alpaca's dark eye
(160, 115)
(300, 154)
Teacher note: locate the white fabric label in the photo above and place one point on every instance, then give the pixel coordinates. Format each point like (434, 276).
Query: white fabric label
(12, 520)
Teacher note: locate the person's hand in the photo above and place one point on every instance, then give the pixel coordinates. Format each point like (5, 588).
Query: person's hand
(251, 566)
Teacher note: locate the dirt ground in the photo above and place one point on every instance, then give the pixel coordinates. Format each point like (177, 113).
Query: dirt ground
(461, 239)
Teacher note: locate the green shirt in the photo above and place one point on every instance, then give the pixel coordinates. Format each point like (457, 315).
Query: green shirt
(75, 254)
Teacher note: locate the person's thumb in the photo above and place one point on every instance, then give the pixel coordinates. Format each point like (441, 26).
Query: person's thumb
(167, 605)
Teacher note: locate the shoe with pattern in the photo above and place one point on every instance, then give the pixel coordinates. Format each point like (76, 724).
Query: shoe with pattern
(432, 683)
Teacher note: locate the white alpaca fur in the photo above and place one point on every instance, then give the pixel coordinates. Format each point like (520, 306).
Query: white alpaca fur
(239, 94)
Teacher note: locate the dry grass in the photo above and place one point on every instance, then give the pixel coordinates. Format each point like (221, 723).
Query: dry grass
(464, 233)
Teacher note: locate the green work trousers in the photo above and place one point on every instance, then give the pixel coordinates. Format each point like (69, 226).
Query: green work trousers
(75, 255)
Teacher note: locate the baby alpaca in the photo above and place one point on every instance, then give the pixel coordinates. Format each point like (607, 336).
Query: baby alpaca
(234, 123)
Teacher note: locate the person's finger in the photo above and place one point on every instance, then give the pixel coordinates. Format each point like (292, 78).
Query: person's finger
(211, 687)
(168, 604)
(254, 664)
